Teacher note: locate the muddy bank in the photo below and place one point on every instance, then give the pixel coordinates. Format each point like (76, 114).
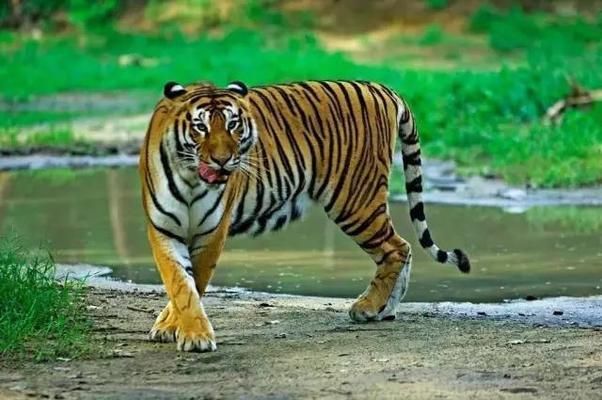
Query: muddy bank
(582, 312)
(281, 347)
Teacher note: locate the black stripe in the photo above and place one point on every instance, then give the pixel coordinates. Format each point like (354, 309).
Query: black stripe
(241, 228)
(442, 256)
(415, 185)
(279, 223)
(411, 159)
(310, 90)
(176, 130)
(339, 186)
(286, 98)
(204, 233)
(426, 240)
(168, 233)
(417, 212)
(199, 196)
(411, 138)
(385, 233)
(365, 222)
(158, 205)
(385, 256)
(295, 212)
(333, 134)
(212, 209)
(171, 184)
(241, 207)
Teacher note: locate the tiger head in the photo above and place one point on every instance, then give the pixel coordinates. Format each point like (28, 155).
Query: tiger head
(213, 128)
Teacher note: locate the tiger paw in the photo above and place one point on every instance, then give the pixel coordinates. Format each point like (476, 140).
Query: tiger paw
(198, 341)
(163, 333)
(165, 327)
(364, 310)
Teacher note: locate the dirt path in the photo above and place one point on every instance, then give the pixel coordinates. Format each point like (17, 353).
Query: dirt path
(284, 347)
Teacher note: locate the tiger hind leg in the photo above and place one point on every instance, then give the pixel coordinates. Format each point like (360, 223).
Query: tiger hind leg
(390, 283)
(373, 231)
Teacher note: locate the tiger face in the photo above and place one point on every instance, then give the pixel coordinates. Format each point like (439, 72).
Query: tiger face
(219, 131)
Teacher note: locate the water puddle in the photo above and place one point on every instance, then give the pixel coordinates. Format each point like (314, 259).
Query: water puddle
(95, 217)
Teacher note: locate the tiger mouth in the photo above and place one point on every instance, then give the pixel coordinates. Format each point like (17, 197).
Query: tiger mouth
(212, 176)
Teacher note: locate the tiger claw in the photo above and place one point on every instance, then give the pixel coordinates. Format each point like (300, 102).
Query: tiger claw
(200, 342)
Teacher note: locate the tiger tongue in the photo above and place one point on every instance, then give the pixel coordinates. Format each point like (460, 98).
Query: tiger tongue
(208, 173)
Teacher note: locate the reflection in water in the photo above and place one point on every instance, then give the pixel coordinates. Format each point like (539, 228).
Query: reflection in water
(96, 217)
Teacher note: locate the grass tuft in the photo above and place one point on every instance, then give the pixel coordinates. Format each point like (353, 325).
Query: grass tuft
(40, 318)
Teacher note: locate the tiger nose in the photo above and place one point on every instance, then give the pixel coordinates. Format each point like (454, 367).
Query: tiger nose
(221, 160)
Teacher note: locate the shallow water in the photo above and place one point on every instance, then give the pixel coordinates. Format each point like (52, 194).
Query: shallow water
(95, 216)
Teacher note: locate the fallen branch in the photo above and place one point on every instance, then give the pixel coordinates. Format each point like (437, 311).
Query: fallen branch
(578, 97)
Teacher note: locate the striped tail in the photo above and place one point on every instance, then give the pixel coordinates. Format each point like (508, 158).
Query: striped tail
(410, 150)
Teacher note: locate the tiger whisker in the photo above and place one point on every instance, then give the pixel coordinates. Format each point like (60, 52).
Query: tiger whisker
(254, 158)
(253, 163)
(249, 171)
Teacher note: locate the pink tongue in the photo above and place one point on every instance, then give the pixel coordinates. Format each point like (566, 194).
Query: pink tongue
(207, 173)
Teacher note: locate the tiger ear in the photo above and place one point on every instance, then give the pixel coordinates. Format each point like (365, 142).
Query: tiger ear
(238, 87)
(171, 90)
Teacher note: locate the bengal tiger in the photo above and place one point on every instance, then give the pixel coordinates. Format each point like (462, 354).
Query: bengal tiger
(225, 161)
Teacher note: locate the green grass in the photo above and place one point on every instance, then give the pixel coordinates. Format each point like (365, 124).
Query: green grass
(487, 120)
(13, 119)
(40, 318)
(513, 29)
(47, 137)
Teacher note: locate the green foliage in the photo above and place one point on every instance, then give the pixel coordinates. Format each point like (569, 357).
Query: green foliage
(432, 35)
(436, 4)
(516, 30)
(39, 317)
(80, 13)
(31, 9)
(86, 13)
(262, 12)
(28, 118)
(397, 181)
(51, 137)
(481, 20)
(488, 120)
(44, 137)
(239, 54)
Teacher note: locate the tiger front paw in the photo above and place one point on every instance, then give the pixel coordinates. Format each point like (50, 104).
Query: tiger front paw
(198, 340)
(165, 327)
(163, 333)
(363, 310)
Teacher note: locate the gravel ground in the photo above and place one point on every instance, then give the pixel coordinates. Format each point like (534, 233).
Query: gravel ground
(286, 347)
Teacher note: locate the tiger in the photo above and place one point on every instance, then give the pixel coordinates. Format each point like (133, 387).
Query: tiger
(223, 161)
